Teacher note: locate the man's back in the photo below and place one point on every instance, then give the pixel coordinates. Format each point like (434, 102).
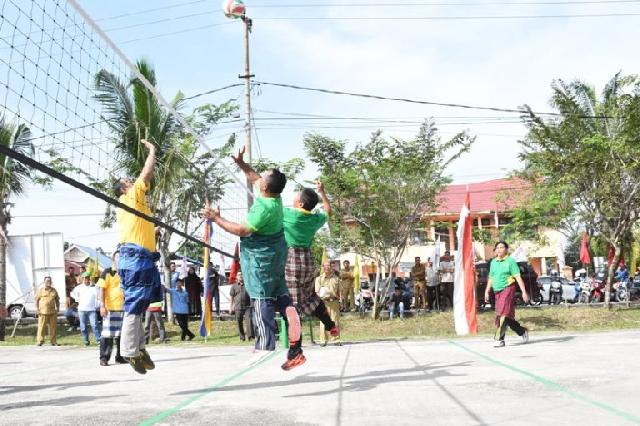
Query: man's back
(300, 226)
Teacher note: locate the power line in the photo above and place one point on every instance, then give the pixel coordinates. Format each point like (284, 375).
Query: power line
(446, 18)
(413, 101)
(188, 30)
(197, 95)
(159, 21)
(155, 9)
(59, 215)
(493, 3)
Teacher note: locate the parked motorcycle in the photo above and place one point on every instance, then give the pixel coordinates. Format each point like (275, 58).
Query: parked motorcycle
(621, 291)
(585, 292)
(555, 293)
(365, 298)
(597, 290)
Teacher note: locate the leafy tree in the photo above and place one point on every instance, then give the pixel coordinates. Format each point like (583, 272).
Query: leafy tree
(583, 165)
(381, 190)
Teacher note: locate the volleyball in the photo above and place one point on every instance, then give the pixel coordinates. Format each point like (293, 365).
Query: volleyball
(233, 8)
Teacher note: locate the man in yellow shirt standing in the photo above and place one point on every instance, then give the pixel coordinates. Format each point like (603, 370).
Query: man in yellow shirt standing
(140, 279)
(111, 305)
(328, 288)
(47, 305)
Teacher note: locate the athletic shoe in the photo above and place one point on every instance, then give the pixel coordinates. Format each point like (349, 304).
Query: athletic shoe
(525, 336)
(257, 357)
(335, 331)
(297, 360)
(120, 360)
(104, 363)
(499, 344)
(137, 364)
(323, 344)
(146, 360)
(86, 343)
(338, 344)
(40, 343)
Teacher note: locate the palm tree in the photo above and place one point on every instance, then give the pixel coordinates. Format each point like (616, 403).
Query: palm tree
(13, 178)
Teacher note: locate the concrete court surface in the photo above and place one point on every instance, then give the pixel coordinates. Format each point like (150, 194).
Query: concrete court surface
(586, 379)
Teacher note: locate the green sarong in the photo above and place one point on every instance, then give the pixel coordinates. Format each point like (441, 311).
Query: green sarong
(262, 259)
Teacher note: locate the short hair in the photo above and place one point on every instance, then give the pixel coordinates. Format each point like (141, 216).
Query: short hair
(47, 277)
(275, 180)
(118, 187)
(309, 199)
(504, 243)
(417, 258)
(346, 261)
(172, 263)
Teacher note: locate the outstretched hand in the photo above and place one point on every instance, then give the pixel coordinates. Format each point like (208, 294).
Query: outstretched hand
(320, 186)
(210, 213)
(239, 158)
(147, 144)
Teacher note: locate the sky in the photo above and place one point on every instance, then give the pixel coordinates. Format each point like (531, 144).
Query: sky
(496, 62)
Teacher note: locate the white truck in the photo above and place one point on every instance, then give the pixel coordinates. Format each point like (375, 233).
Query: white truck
(30, 258)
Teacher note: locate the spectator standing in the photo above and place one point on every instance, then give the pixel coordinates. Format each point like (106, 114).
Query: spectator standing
(47, 305)
(328, 288)
(241, 306)
(193, 286)
(432, 286)
(154, 313)
(112, 311)
(87, 295)
(396, 305)
(180, 306)
(418, 274)
(447, 267)
(347, 300)
(215, 280)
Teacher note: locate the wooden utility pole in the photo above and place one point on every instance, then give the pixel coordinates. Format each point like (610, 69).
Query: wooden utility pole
(248, 23)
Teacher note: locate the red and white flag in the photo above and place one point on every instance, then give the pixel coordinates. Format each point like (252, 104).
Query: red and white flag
(464, 293)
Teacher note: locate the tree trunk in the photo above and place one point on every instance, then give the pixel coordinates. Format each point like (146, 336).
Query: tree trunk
(376, 286)
(3, 274)
(612, 270)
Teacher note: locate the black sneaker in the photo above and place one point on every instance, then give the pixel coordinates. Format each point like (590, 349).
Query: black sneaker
(146, 360)
(136, 363)
(104, 363)
(120, 360)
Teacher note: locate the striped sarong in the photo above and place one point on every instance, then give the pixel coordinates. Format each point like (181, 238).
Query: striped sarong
(300, 273)
(112, 324)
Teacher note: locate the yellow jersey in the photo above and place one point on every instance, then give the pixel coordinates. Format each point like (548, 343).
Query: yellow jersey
(134, 229)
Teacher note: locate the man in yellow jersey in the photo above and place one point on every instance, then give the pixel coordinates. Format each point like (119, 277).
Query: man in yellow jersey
(140, 279)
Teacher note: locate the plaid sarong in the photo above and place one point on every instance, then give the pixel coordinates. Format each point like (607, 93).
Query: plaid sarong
(112, 324)
(300, 274)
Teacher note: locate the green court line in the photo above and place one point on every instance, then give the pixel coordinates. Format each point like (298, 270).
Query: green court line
(170, 411)
(553, 385)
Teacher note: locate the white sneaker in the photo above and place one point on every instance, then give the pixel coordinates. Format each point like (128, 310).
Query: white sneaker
(499, 344)
(257, 357)
(525, 337)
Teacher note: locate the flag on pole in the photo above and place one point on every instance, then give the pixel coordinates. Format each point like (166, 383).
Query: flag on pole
(235, 265)
(356, 276)
(205, 325)
(585, 257)
(464, 292)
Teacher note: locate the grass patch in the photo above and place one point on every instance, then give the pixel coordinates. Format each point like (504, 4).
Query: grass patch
(427, 326)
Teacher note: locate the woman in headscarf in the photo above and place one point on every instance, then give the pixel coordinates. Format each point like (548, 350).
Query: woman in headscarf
(193, 285)
(504, 272)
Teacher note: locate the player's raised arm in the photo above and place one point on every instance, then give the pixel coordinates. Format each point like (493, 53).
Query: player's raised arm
(147, 171)
(251, 174)
(326, 205)
(213, 214)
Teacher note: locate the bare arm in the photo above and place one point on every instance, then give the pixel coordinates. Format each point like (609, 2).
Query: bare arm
(149, 164)
(488, 290)
(231, 227)
(523, 289)
(246, 169)
(326, 205)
